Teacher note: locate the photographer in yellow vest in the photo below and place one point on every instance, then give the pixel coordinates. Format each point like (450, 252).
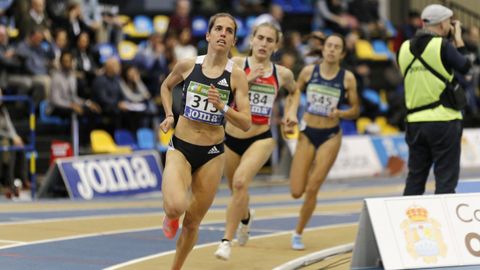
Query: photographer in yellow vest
(434, 127)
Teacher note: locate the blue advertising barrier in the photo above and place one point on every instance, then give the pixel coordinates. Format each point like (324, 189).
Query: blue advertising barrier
(389, 146)
(100, 176)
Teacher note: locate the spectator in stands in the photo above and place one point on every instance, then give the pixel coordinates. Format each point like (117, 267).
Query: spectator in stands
(367, 14)
(36, 18)
(86, 67)
(312, 53)
(407, 30)
(110, 30)
(274, 16)
(91, 13)
(36, 61)
(108, 94)
(74, 23)
(6, 12)
(153, 63)
(137, 94)
(289, 46)
(9, 63)
(332, 15)
(184, 49)
(64, 100)
(181, 18)
(59, 44)
(57, 10)
(9, 137)
(428, 113)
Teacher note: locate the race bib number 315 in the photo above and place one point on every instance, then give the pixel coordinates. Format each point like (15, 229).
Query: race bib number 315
(261, 99)
(321, 99)
(197, 106)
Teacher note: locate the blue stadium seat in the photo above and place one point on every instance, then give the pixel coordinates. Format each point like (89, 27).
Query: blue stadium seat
(199, 26)
(124, 137)
(143, 25)
(380, 47)
(373, 97)
(146, 138)
(349, 127)
(242, 30)
(49, 119)
(105, 51)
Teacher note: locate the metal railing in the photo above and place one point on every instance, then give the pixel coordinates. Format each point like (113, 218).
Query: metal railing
(30, 147)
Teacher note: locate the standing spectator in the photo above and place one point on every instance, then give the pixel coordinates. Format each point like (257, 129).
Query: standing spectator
(407, 30)
(181, 18)
(427, 112)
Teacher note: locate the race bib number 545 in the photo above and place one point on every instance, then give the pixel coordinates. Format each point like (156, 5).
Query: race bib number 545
(321, 99)
(197, 106)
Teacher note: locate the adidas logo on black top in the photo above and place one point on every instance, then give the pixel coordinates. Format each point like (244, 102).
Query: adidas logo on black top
(223, 82)
(213, 150)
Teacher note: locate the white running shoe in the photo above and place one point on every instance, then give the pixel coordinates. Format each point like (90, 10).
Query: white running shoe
(297, 243)
(223, 250)
(243, 232)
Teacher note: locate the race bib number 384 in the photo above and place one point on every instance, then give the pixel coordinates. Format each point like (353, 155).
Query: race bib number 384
(321, 99)
(261, 99)
(197, 106)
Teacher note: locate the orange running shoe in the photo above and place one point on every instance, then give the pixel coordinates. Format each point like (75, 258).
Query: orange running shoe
(170, 227)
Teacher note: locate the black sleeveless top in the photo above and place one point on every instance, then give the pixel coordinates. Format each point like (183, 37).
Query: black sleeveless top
(195, 94)
(324, 95)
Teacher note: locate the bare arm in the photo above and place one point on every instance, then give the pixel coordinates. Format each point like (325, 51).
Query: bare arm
(351, 91)
(293, 99)
(174, 78)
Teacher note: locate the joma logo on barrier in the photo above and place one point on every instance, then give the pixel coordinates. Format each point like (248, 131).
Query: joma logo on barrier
(113, 175)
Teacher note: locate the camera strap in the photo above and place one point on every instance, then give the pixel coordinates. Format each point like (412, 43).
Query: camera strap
(417, 55)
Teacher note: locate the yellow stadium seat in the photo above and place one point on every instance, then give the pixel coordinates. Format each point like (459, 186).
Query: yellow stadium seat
(381, 121)
(164, 138)
(12, 32)
(102, 142)
(127, 50)
(364, 50)
(123, 19)
(362, 124)
(160, 23)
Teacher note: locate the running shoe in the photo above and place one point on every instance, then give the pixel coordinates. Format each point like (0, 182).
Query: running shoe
(170, 227)
(243, 232)
(223, 250)
(297, 243)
